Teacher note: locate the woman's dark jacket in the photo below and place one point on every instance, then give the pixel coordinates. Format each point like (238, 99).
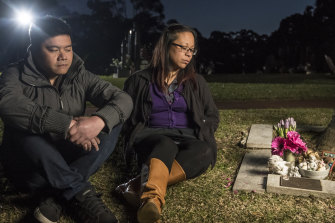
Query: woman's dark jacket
(199, 102)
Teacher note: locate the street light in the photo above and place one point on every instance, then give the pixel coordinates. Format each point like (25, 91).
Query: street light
(24, 17)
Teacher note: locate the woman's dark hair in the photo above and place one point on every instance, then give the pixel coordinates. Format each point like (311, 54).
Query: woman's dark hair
(46, 27)
(160, 61)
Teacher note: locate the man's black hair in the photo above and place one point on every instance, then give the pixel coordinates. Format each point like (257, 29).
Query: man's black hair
(46, 27)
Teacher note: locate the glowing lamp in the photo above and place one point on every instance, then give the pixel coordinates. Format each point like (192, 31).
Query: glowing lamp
(24, 17)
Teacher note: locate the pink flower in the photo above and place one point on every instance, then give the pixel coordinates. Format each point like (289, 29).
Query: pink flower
(277, 146)
(294, 143)
(287, 139)
(228, 184)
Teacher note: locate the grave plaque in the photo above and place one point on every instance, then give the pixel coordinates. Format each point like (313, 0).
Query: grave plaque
(260, 136)
(302, 183)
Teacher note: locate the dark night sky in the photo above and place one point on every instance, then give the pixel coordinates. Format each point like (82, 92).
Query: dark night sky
(262, 16)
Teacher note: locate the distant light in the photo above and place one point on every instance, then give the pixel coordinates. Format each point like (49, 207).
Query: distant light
(24, 17)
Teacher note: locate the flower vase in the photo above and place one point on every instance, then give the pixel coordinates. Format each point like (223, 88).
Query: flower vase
(288, 156)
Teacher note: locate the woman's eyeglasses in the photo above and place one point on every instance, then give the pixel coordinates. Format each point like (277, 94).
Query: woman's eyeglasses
(186, 49)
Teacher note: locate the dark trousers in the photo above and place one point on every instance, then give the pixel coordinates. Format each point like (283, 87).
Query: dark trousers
(192, 154)
(33, 161)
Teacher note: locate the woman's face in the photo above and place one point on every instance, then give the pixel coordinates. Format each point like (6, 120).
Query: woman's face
(181, 51)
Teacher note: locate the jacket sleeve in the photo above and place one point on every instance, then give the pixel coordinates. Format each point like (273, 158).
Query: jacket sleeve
(114, 105)
(20, 112)
(210, 110)
(130, 88)
(211, 116)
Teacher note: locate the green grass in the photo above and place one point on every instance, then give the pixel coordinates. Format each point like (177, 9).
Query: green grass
(261, 91)
(115, 81)
(206, 199)
(265, 86)
(269, 78)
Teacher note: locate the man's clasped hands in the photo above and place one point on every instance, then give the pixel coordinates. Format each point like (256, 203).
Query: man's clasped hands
(84, 131)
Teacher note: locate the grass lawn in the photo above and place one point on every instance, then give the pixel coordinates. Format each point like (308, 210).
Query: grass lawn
(207, 198)
(265, 86)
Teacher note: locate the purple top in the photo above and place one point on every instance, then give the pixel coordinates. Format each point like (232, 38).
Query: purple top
(166, 114)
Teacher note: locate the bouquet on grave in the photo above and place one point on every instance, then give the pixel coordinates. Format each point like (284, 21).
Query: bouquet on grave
(287, 139)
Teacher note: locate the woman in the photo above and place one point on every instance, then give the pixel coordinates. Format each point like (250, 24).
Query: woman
(173, 122)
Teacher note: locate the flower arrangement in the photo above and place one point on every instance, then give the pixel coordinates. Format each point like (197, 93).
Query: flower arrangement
(287, 139)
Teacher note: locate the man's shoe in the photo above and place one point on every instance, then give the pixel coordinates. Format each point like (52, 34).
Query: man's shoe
(48, 211)
(89, 208)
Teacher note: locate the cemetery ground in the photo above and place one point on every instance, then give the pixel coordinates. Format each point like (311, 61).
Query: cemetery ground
(209, 198)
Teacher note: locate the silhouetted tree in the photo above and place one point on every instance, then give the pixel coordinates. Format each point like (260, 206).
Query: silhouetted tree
(98, 36)
(148, 20)
(325, 18)
(324, 15)
(235, 52)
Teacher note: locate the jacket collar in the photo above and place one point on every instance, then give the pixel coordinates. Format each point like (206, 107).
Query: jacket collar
(32, 76)
(146, 74)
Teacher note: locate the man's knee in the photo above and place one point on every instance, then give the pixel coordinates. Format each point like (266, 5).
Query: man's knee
(109, 141)
(32, 144)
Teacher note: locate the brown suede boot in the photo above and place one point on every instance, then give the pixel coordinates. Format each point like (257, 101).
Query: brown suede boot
(177, 174)
(154, 190)
(131, 191)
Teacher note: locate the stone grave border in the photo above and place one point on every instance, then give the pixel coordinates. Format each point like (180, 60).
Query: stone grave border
(253, 175)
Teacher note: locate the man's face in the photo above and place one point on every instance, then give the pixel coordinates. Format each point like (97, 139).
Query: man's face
(55, 56)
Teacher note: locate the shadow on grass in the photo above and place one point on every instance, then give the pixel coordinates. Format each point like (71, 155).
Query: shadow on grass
(18, 206)
(12, 200)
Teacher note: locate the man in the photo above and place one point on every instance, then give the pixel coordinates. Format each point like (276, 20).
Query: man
(47, 142)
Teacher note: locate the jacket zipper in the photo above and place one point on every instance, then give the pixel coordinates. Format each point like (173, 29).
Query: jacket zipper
(60, 97)
(61, 103)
